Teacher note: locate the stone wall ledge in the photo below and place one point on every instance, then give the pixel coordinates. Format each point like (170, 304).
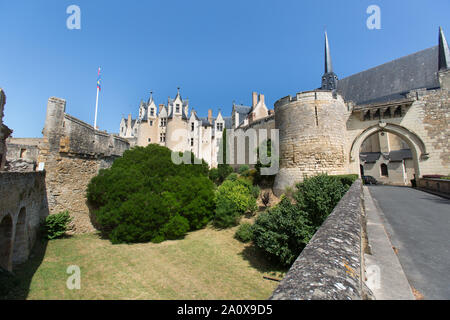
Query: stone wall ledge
(329, 268)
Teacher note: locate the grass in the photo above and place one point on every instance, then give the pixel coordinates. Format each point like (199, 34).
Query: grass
(206, 264)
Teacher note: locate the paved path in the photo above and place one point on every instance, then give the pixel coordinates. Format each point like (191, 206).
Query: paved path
(419, 226)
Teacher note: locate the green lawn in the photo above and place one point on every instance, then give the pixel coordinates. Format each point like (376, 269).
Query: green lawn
(207, 264)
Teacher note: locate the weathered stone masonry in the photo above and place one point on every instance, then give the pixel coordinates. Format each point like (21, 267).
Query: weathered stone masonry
(73, 153)
(23, 204)
(331, 267)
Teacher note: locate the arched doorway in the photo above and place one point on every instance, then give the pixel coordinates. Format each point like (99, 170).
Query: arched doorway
(20, 253)
(392, 165)
(6, 230)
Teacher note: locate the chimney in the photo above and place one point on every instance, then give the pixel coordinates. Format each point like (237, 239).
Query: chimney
(261, 98)
(210, 116)
(255, 99)
(129, 121)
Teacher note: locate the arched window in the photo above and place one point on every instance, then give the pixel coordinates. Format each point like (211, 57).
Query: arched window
(384, 170)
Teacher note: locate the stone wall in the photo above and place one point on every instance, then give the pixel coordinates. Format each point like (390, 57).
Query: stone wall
(23, 204)
(440, 186)
(4, 131)
(22, 154)
(72, 153)
(331, 266)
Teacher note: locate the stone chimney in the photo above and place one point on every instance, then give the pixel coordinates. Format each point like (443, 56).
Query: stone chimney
(254, 99)
(210, 116)
(261, 98)
(129, 121)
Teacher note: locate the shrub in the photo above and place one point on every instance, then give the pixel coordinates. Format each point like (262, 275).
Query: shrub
(282, 232)
(243, 169)
(55, 226)
(233, 199)
(145, 197)
(244, 233)
(232, 177)
(318, 196)
(347, 179)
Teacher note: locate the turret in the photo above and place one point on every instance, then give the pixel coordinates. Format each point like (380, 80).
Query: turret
(329, 79)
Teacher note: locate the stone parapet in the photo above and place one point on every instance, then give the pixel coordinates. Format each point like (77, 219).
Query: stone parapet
(331, 265)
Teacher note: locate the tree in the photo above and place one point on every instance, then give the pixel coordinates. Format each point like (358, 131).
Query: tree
(145, 197)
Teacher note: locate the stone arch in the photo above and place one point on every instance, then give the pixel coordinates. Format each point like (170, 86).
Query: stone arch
(21, 243)
(414, 142)
(6, 232)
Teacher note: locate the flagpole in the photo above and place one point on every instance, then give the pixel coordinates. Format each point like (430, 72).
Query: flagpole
(96, 101)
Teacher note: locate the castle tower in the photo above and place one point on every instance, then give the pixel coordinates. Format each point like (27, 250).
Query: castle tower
(312, 128)
(444, 61)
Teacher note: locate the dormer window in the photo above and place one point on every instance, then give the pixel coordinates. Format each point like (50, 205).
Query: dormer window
(163, 122)
(178, 108)
(152, 112)
(220, 127)
(192, 126)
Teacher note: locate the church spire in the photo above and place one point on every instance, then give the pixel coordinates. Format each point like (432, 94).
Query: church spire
(444, 53)
(329, 79)
(328, 63)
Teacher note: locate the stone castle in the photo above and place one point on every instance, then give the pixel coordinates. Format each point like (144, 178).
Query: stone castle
(391, 121)
(173, 126)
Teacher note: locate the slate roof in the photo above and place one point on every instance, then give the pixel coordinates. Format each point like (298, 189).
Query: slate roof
(369, 157)
(399, 155)
(393, 156)
(392, 80)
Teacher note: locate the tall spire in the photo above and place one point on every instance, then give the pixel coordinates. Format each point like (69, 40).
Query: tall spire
(329, 79)
(444, 53)
(328, 63)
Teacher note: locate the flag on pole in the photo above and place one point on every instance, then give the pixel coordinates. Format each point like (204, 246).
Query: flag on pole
(99, 86)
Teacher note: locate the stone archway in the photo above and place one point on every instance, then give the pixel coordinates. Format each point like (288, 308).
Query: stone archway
(414, 142)
(21, 250)
(6, 232)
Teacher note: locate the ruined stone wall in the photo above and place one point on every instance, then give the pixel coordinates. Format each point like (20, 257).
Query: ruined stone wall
(23, 204)
(73, 153)
(312, 136)
(22, 154)
(4, 131)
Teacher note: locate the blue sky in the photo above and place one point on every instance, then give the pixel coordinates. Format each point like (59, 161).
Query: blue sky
(216, 51)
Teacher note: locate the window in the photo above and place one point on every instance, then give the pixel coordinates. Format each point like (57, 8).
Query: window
(152, 112)
(192, 126)
(149, 140)
(162, 137)
(384, 170)
(163, 122)
(22, 153)
(151, 123)
(220, 127)
(398, 112)
(178, 108)
(192, 142)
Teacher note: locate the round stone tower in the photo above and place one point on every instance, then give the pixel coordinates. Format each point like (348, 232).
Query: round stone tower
(312, 136)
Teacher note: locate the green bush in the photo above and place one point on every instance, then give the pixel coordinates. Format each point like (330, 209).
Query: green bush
(244, 233)
(282, 232)
(232, 177)
(318, 196)
(347, 179)
(55, 226)
(233, 199)
(145, 197)
(243, 169)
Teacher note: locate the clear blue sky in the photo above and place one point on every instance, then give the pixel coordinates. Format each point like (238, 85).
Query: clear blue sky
(216, 51)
